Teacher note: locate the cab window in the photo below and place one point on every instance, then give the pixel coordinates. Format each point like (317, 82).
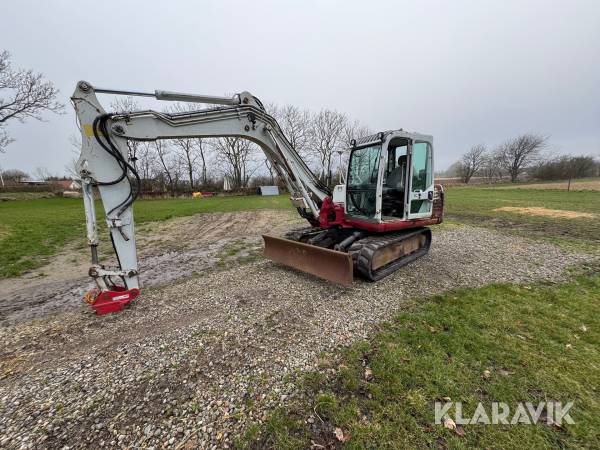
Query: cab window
(421, 178)
(361, 187)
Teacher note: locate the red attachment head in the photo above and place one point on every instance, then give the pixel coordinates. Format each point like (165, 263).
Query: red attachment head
(331, 213)
(110, 301)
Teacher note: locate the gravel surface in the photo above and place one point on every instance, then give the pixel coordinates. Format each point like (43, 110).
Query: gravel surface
(193, 363)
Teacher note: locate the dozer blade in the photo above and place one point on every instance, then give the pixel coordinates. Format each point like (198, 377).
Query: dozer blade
(324, 263)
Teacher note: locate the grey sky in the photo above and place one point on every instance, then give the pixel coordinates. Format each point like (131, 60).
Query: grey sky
(463, 71)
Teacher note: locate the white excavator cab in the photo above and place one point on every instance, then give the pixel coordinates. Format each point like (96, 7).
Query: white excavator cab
(390, 177)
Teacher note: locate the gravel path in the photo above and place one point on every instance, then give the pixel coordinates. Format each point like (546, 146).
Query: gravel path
(192, 364)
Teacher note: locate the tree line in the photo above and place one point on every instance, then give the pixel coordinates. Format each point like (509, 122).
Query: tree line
(515, 157)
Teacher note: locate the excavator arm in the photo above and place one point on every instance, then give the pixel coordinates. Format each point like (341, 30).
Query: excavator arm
(105, 164)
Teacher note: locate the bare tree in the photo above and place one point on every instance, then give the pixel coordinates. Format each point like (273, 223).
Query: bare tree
(327, 136)
(295, 124)
(516, 154)
(5, 139)
(191, 150)
(237, 157)
(271, 170)
(24, 95)
(125, 105)
(491, 168)
(320, 139)
(177, 172)
(186, 149)
(14, 175)
(204, 152)
(167, 164)
(71, 168)
(353, 129)
(146, 160)
(471, 162)
(41, 173)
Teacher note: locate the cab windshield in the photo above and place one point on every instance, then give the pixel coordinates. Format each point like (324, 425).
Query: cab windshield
(361, 185)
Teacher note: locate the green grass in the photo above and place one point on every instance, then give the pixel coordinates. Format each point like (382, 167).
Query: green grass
(33, 230)
(477, 205)
(539, 343)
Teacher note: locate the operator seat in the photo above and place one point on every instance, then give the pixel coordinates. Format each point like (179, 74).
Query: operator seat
(395, 179)
(393, 190)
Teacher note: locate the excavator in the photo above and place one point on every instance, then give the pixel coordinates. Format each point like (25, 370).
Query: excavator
(371, 226)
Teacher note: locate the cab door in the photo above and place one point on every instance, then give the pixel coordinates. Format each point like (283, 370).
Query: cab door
(420, 182)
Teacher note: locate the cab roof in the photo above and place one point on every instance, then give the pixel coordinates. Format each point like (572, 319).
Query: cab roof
(383, 136)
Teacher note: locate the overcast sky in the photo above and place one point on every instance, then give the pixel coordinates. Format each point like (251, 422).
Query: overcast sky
(464, 71)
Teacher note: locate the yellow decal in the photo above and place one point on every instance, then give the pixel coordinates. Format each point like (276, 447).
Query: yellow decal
(88, 130)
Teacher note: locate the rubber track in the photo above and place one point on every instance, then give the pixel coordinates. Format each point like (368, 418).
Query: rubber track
(362, 252)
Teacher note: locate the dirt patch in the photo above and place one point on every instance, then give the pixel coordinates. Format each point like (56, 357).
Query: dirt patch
(545, 212)
(167, 251)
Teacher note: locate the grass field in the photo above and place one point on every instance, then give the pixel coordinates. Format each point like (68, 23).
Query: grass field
(499, 343)
(33, 230)
(481, 206)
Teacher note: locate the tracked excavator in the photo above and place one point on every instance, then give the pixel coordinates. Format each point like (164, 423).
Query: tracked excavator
(371, 226)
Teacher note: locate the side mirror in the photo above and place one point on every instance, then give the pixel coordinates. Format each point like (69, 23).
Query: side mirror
(430, 195)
